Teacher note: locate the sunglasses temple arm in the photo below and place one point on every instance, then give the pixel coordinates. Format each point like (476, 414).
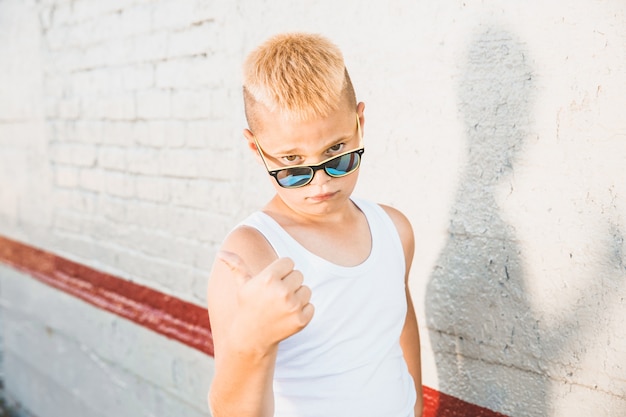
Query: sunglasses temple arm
(360, 132)
(260, 151)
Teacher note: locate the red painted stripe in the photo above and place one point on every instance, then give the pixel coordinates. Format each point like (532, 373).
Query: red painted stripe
(179, 320)
(438, 404)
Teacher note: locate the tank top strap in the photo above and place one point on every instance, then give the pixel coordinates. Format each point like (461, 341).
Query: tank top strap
(383, 229)
(276, 236)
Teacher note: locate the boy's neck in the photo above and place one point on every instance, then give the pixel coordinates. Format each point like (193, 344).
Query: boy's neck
(288, 216)
(341, 237)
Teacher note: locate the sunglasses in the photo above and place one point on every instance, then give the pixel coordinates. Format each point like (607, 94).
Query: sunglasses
(300, 175)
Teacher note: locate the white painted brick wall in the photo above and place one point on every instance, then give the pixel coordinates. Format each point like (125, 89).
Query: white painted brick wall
(121, 147)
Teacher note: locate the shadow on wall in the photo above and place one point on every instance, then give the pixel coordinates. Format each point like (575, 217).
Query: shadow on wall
(490, 347)
(484, 334)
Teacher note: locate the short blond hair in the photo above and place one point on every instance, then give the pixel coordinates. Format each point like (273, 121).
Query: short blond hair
(298, 76)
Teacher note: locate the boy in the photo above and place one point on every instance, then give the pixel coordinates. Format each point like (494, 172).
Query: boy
(310, 310)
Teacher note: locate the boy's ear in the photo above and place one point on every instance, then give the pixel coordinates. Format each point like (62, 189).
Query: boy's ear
(251, 145)
(250, 139)
(360, 108)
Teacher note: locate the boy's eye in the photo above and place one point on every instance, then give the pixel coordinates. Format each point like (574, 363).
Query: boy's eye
(290, 158)
(336, 148)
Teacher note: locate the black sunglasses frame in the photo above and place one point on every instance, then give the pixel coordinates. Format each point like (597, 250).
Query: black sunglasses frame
(322, 165)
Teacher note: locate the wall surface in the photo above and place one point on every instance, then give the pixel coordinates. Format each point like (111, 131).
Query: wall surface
(497, 127)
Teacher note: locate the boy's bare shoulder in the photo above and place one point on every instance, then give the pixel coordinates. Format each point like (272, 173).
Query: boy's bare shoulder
(398, 218)
(251, 246)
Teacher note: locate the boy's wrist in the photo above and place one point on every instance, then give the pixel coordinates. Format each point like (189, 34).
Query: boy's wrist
(247, 342)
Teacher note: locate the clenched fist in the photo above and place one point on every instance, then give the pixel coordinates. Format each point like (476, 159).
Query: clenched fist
(273, 304)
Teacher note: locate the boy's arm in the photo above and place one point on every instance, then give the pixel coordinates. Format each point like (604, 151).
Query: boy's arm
(410, 342)
(254, 302)
(409, 339)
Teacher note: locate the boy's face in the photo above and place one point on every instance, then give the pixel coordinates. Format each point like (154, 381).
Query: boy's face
(286, 143)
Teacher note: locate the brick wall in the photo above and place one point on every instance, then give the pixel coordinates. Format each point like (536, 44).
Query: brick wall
(496, 127)
(136, 151)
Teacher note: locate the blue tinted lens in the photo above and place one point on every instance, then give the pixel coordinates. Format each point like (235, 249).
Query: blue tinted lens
(295, 177)
(343, 165)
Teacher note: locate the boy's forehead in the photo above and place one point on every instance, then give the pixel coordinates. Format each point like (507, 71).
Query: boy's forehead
(265, 119)
(286, 135)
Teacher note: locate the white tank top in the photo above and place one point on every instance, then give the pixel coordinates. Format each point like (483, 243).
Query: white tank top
(347, 361)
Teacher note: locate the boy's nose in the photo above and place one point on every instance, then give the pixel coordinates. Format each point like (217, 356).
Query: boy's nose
(320, 177)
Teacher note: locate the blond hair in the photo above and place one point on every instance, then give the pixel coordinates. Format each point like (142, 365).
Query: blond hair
(297, 76)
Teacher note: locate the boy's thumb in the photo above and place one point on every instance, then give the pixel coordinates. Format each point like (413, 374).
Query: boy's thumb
(235, 263)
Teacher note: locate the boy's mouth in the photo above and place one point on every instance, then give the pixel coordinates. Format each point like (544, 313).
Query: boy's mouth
(323, 197)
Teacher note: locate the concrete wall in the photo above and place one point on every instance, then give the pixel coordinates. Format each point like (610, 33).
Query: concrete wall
(62, 357)
(497, 127)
